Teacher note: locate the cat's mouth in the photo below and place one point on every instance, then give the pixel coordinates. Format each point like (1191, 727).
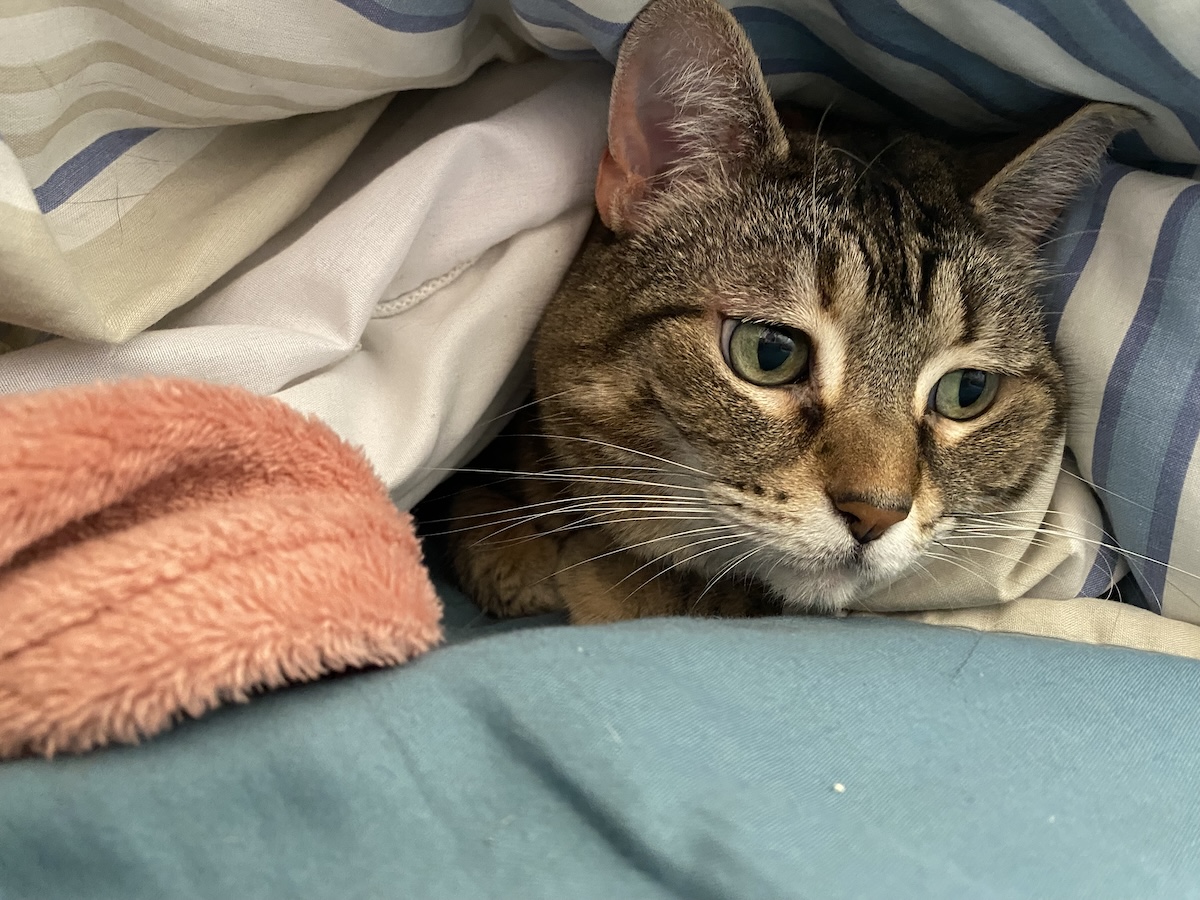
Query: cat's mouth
(816, 563)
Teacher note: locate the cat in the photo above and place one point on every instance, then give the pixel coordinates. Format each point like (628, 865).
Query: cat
(787, 361)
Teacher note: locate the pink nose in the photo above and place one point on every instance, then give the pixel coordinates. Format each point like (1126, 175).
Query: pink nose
(868, 522)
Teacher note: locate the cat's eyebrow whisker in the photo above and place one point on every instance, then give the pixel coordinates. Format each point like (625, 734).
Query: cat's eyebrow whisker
(611, 446)
(874, 159)
(812, 210)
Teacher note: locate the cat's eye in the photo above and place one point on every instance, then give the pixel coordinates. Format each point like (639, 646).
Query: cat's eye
(964, 394)
(766, 355)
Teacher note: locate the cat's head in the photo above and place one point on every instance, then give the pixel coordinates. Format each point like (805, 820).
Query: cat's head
(823, 347)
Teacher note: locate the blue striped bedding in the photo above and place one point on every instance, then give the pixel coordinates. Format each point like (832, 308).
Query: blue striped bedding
(1122, 271)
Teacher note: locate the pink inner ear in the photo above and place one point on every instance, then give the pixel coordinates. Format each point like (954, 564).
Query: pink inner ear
(688, 102)
(641, 145)
(617, 190)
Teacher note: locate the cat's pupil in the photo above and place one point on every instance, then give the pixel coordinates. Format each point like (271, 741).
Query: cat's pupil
(971, 386)
(774, 349)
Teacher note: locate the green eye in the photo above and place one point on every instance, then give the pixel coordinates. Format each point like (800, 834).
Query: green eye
(964, 393)
(766, 355)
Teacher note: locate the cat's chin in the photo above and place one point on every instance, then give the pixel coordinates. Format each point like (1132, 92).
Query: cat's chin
(829, 591)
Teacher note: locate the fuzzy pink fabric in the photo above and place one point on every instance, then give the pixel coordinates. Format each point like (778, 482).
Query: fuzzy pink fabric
(166, 546)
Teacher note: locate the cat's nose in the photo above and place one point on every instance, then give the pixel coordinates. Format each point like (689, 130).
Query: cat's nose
(868, 522)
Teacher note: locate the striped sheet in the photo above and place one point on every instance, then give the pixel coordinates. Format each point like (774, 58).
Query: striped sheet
(148, 146)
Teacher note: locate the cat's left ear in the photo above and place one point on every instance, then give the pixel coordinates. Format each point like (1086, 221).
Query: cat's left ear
(689, 107)
(1026, 197)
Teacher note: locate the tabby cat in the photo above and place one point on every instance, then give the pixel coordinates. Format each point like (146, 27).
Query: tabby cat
(788, 360)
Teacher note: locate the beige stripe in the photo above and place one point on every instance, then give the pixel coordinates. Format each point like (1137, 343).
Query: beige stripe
(1112, 280)
(199, 222)
(37, 288)
(108, 198)
(133, 109)
(1181, 598)
(52, 73)
(266, 66)
(14, 190)
(212, 212)
(1102, 622)
(991, 30)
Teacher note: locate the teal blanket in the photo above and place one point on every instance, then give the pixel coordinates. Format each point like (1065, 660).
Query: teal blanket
(689, 759)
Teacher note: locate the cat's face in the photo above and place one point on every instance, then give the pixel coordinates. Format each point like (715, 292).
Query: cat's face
(807, 367)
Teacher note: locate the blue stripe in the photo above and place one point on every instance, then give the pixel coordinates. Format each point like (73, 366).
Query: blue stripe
(887, 26)
(602, 34)
(1101, 579)
(1148, 422)
(86, 165)
(1073, 241)
(1129, 592)
(1176, 462)
(786, 46)
(412, 17)
(1132, 149)
(569, 55)
(1109, 38)
(1139, 331)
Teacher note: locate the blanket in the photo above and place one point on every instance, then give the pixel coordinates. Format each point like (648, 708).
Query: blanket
(169, 546)
(244, 198)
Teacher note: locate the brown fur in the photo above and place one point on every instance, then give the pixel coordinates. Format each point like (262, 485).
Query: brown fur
(670, 485)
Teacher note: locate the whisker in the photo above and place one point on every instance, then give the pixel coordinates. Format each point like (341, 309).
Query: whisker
(948, 558)
(1064, 533)
(523, 406)
(724, 571)
(655, 540)
(596, 510)
(599, 443)
(812, 210)
(1109, 491)
(1015, 560)
(677, 564)
(564, 506)
(563, 501)
(556, 476)
(594, 521)
(874, 159)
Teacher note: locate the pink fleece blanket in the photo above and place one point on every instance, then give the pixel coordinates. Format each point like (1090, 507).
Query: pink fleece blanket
(166, 546)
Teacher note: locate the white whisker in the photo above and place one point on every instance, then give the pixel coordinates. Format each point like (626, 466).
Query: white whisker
(655, 540)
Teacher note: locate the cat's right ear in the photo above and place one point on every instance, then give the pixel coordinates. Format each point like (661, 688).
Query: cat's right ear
(689, 106)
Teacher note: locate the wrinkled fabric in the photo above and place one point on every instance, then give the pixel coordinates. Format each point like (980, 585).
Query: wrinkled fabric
(660, 759)
(163, 166)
